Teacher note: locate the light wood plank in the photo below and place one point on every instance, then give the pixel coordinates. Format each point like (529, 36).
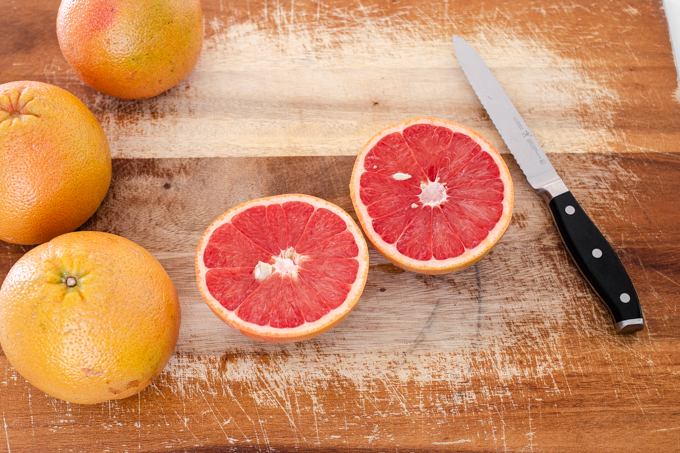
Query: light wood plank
(279, 78)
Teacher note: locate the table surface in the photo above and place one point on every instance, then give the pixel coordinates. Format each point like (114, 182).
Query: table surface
(512, 354)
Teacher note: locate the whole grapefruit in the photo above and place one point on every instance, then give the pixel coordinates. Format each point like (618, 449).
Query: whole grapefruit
(131, 49)
(88, 317)
(55, 163)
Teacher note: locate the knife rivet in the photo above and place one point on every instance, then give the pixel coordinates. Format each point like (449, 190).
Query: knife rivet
(570, 210)
(597, 253)
(625, 298)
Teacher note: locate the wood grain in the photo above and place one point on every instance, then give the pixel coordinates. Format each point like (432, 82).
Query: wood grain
(512, 354)
(281, 78)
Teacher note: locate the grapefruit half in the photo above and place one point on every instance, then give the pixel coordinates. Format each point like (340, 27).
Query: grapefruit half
(431, 195)
(282, 269)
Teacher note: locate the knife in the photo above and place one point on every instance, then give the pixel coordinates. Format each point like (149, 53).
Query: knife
(589, 249)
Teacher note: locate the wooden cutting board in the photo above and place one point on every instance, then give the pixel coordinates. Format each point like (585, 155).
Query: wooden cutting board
(512, 354)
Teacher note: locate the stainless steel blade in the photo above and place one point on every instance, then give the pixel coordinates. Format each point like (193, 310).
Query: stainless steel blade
(516, 134)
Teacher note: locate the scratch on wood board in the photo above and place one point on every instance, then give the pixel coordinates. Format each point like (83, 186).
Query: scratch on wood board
(4, 422)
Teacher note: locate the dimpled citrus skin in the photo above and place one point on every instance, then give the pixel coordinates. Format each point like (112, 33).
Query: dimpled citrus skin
(55, 163)
(131, 49)
(105, 338)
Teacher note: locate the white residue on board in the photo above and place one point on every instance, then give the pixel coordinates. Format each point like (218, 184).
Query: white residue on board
(293, 87)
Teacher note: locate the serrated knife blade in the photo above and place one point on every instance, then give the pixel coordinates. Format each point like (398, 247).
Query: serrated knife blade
(516, 134)
(589, 249)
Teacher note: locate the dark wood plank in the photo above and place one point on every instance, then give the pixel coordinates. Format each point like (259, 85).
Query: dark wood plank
(515, 352)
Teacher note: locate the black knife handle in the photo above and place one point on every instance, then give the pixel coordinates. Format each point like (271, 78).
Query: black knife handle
(598, 263)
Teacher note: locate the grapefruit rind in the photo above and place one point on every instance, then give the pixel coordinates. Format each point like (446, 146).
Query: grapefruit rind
(307, 330)
(432, 266)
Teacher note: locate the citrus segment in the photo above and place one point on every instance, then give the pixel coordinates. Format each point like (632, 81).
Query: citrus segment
(431, 195)
(283, 268)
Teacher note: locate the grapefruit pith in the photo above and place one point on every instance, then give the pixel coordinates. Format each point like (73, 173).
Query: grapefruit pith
(431, 195)
(283, 268)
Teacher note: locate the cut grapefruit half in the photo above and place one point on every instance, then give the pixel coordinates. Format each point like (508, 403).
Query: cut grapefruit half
(282, 269)
(431, 195)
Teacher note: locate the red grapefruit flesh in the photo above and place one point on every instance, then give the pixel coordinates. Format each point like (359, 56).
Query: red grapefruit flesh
(283, 268)
(431, 195)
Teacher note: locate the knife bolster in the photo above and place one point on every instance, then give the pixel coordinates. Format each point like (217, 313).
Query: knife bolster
(551, 190)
